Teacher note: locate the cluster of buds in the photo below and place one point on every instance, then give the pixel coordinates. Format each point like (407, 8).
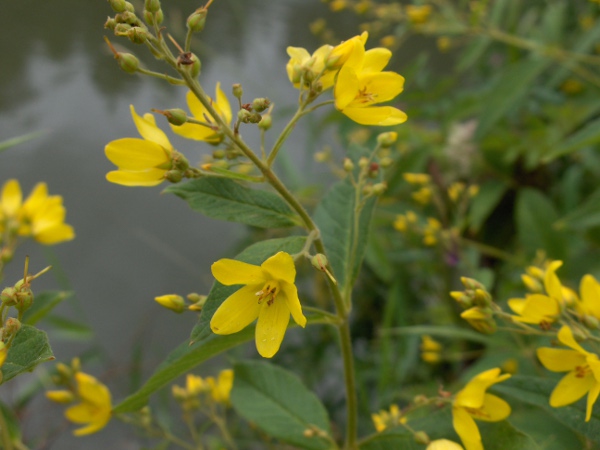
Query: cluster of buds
(200, 391)
(252, 113)
(176, 303)
(477, 304)
(127, 23)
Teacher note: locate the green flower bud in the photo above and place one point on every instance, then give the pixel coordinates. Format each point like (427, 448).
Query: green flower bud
(121, 29)
(255, 118)
(24, 299)
(152, 5)
(387, 139)
(421, 438)
(11, 326)
(471, 283)
(386, 162)
(420, 400)
(174, 176)
(379, 188)
(118, 5)
(154, 18)
(591, 322)
(237, 91)
(137, 35)
(244, 115)
(8, 296)
(197, 20)
(190, 62)
(128, 62)
(110, 23)
(260, 104)
(176, 116)
(319, 261)
(218, 154)
(266, 122)
(180, 162)
(129, 18)
(129, 7)
(348, 165)
(6, 255)
(363, 162)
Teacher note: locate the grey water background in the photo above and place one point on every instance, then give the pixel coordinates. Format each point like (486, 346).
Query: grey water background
(132, 244)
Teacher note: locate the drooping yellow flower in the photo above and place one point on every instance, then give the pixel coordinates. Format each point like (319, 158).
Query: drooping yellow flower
(210, 134)
(95, 404)
(361, 83)
(141, 162)
(384, 419)
(269, 294)
(473, 402)
(443, 444)
(583, 367)
(40, 216)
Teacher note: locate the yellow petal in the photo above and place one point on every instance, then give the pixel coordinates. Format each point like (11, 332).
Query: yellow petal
(565, 335)
(35, 200)
(589, 289)
(466, 428)
(280, 267)
(80, 413)
(539, 308)
(222, 104)
(472, 395)
(53, 235)
(298, 54)
(517, 305)
(560, 360)
(376, 59)
(136, 154)
(346, 87)
(194, 131)
(551, 282)
(149, 131)
(381, 86)
(376, 115)
(238, 311)
(443, 444)
(272, 322)
(92, 390)
(592, 397)
(290, 294)
(11, 198)
(150, 177)
(231, 271)
(494, 409)
(570, 389)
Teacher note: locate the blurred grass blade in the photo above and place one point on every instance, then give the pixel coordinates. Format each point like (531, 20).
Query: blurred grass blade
(5, 145)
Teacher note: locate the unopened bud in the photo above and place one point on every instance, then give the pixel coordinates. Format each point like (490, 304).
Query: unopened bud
(137, 35)
(218, 154)
(118, 5)
(266, 122)
(238, 91)
(320, 262)
(420, 400)
(8, 296)
(24, 299)
(176, 116)
(482, 297)
(197, 20)
(471, 283)
(128, 62)
(152, 5)
(129, 7)
(174, 176)
(189, 62)
(386, 162)
(387, 139)
(76, 364)
(172, 302)
(363, 162)
(260, 104)
(255, 118)
(373, 170)
(11, 326)
(64, 371)
(244, 115)
(121, 29)
(179, 161)
(348, 165)
(129, 18)
(110, 23)
(309, 433)
(591, 322)
(379, 188)
(421, 438)
(154, 18)
(198, 301)
(60, 396)
(6, 255)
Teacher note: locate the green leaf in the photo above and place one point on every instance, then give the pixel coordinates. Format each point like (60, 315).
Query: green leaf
(43, 304)
(70, 328)
(490, 193)
(29, 348)
(344, 243)
(534, 216)
(503, 435)
(277, 402)
(400, 439)
(225, 199)
(586, 215)
(204, 343)
(440, 331)
(536, 391)
(588, 135)
(507, 90)
(255, 254)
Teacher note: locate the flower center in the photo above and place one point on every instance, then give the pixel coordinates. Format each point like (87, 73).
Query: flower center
(582, 371)
(365, 96)
(477, 412)
(268, 292)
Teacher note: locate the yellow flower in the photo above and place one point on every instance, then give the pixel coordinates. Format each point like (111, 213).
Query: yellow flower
(430, 349)
(422, 196)
(141, 162)
(583, 367)
(401, 223)
(416, 178)
(360, 84)
(95, 407)
(418, 14)
(589, 290)
(473, 402)
(341, 53)
(384, 420)
(443, 444)
(210, 134)
(221, 388)
(41, 216)
(303, 66)
(269, 294)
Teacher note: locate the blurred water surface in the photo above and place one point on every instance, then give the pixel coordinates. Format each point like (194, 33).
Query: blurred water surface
(132, 244)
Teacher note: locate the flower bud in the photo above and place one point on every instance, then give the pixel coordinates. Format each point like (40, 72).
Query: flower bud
(373, 170)
(379, 188)
(76, 365)
(255, 118)
(266, 122)
(482, 297)
(591, 322)
(260, 104)
(348, 165)
(152, 5)
(363, 162)
(3, 355)
(121, 29)
(137, 35)
(319, 261)
(421, 438)
(189, 62)
(6, 255)
(197, 20)
(387, 139)
(8, 296)
(110, 24)
(237, 91)
(24, 299)
(60, 396)
(244, 115)
(176, 116)
(174, 176)
(420, 400)
(471, 283)
(129, 7)
(172, 302)
(118, 5)
(154, 18)
(386, 162)
(128, 62)
(11, 326)
(218, 154)
(128, 18)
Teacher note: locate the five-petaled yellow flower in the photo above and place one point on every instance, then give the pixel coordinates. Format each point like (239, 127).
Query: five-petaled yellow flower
(473, 402)
(583, 367)
(95, 404)
(269, 294)
(361, 84)
(40, 216)
(141, 162)
(210, 132)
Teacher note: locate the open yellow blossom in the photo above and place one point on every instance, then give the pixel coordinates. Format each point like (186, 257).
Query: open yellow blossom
(361, 84)
(40, 216)
(473, 402)
(589, 291)
(384, 419)
(95, 404)
(211, 132)
(269, 294)
(303, 64)
(141, 162)
(583, 367)
(443, 444)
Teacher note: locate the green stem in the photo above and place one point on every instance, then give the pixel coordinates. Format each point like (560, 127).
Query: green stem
(162, 76)
(6, 441)
(284, 134)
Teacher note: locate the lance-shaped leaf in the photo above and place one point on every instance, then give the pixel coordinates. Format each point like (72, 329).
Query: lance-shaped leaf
(225, 199)
(29, 349)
